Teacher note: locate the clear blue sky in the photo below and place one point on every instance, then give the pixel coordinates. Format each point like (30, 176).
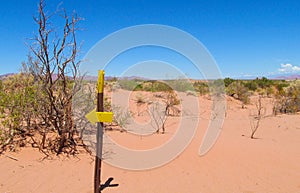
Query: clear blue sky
(246, 37)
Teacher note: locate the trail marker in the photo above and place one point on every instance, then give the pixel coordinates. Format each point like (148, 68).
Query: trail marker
(98, 116)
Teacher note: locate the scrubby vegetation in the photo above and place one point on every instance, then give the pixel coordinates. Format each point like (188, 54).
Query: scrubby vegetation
(18, 109)
(26, 118)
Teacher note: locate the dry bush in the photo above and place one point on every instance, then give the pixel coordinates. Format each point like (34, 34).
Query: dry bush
(257, 116)
(40, 100)
(171, 101)
(158, 116)
(162, 108)
(141, 103)
(121, 117)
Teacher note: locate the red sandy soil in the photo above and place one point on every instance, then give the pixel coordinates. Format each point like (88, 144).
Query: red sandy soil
(235, 164)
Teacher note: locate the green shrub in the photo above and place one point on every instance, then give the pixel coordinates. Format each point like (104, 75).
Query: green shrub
(251, 85)
(238, 90)
(228, 81)
(130, 85)
(201, 87)
(280, 85)
(180, 85)
(264, 82)
(17, 107)
(288, 100)
(160, 87)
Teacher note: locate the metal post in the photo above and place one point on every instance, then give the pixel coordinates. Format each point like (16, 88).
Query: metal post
(98, 158)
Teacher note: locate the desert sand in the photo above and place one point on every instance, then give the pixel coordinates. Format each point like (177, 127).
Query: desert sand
(235, 164)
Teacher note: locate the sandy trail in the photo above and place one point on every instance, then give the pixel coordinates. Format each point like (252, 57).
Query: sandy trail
(236, 163)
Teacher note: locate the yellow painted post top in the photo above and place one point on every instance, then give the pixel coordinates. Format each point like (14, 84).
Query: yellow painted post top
(100, 84)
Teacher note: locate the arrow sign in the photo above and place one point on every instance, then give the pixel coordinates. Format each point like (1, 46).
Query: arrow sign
(95, 117)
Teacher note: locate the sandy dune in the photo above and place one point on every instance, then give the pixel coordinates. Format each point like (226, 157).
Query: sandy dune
(235, 164)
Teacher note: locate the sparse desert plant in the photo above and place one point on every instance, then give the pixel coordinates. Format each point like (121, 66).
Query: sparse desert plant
(257, 116)
(171, 100)
(280, 86)
(130, 85)
(191, 93)
(288, 99)
(201, 87)
(121, 117)
(84, 101)
(228, 81)
(162, 108)
(216, 87)
(115, 87)
(263, 82)
(239, 91)
(140, 101)
(180, 85)
(158, 116)
(107, 106)
(159, 86)
(251, 85)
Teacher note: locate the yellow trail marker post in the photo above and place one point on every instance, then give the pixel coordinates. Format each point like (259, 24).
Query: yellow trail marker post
(98, 116)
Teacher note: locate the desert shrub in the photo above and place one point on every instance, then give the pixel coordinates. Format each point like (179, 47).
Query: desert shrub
(159, 86)
(288, 100)
(130, 85)
(54, 63)
(270, 91)
(140, 101)
(216, 87)
(107, 106)
(171, 100)
(263, 82)
(191, 93)
(251, 85)
(84, 101)
(158, 116)
(228, 81)
(146, 86)
(239, 91)
(121, 117)
(43, 93)
(257, 116)
(155, 86)
(180, 85)
(160, 109)
(201, 87)
(115, 86)
(280, 85)
(17, 109)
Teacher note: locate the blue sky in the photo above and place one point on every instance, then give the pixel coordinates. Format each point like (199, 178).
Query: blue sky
(246, 37)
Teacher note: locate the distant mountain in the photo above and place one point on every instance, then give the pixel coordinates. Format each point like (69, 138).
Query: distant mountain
(95, 78)
(272, 77)
(287, 77)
